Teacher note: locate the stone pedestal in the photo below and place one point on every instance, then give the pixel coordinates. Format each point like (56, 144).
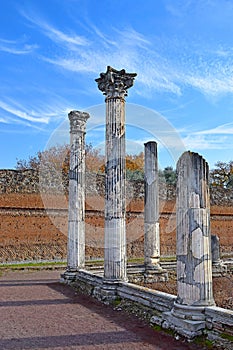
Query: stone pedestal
(76, 217)
(114, 85)
(194, 263)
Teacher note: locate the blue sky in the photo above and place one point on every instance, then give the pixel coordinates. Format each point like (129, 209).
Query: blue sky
(52, 51)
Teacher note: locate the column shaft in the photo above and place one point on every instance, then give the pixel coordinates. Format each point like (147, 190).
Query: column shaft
(115, 235)
(194, 265)
(76, 217)
(151, 207)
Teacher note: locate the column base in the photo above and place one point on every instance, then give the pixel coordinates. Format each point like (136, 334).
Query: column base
(68, 276)
(188, 321)
(218, 268)
(107, 292)
(155, 273)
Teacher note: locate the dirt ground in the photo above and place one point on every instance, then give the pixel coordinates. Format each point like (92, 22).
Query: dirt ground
(39, 313)
(222, 289)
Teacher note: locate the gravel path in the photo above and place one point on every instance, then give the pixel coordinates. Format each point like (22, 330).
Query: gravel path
(37, 312)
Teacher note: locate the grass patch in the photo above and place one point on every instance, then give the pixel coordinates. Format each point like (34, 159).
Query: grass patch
(135, 260)
(227, 336)
(158, 328)
(31, 264)
(116, 301)
(203, 341)
(168, 258)
(35, 264)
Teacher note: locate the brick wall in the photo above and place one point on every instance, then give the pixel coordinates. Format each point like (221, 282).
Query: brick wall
(33, 225)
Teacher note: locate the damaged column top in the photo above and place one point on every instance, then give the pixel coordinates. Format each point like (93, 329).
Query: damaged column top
(115, 83)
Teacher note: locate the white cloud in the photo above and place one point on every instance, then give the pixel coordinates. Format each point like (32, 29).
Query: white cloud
(221, 129)
(69, 39)
(16, 113)
(3, 120)
(22, 114)
(167, 65)
(16, 47)
(203, 142)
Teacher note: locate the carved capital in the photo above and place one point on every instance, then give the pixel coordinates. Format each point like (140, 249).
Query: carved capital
(78, 121)
(115, 83)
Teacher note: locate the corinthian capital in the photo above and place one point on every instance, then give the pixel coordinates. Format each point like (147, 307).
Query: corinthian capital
(115, 83)
(78, 121)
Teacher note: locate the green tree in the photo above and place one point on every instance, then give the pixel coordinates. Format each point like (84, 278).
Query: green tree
(222, 175)
(169, 175)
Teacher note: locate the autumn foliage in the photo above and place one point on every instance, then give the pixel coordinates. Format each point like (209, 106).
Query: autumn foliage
(59, 157)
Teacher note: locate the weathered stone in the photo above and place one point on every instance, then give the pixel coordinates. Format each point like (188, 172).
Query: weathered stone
(194, 265)
(215, 249)
(151, 209)
(114, 85)
(76, 217)
(153, 270)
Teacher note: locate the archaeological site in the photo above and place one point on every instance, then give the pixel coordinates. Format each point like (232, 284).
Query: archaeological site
(156, 248)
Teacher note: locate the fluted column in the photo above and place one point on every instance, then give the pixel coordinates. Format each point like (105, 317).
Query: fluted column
(76, 217)
(194, 264)
(114, 85)
(151, 207)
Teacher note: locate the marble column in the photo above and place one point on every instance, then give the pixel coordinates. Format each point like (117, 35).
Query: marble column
(114, 84)
(218, 266)
(151, 208)
(194, 262)
(76, 216)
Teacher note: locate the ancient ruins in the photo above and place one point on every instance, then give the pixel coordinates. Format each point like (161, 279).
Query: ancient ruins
(193, 310)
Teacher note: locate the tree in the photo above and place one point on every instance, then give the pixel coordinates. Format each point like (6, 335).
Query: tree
(222, 175)
(94, 159)
(168, 175)
(58, 158)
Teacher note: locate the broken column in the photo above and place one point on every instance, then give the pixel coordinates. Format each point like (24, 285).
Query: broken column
(114, 84)
(193, 246)
(76, 216)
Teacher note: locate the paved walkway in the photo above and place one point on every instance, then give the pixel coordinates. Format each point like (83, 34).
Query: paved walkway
(37, 312)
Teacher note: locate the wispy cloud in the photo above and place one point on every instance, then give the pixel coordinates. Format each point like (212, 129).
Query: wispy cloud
(168, 65)
(13, 112)
(32, 117)
(221, 129)
(203, 142)
(70, 38)
(218, 138)
(16, 47)
(3, 120)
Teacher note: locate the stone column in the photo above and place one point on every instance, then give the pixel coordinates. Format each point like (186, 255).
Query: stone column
(218, 266)
(194, 262)
(114, 85)
(193, 246)
(215, 249)
(76, 217)
(151, 207)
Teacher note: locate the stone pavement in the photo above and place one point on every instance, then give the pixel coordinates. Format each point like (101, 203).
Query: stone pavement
(38, 313)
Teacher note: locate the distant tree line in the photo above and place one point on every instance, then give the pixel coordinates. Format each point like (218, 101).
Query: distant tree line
(57, 157)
